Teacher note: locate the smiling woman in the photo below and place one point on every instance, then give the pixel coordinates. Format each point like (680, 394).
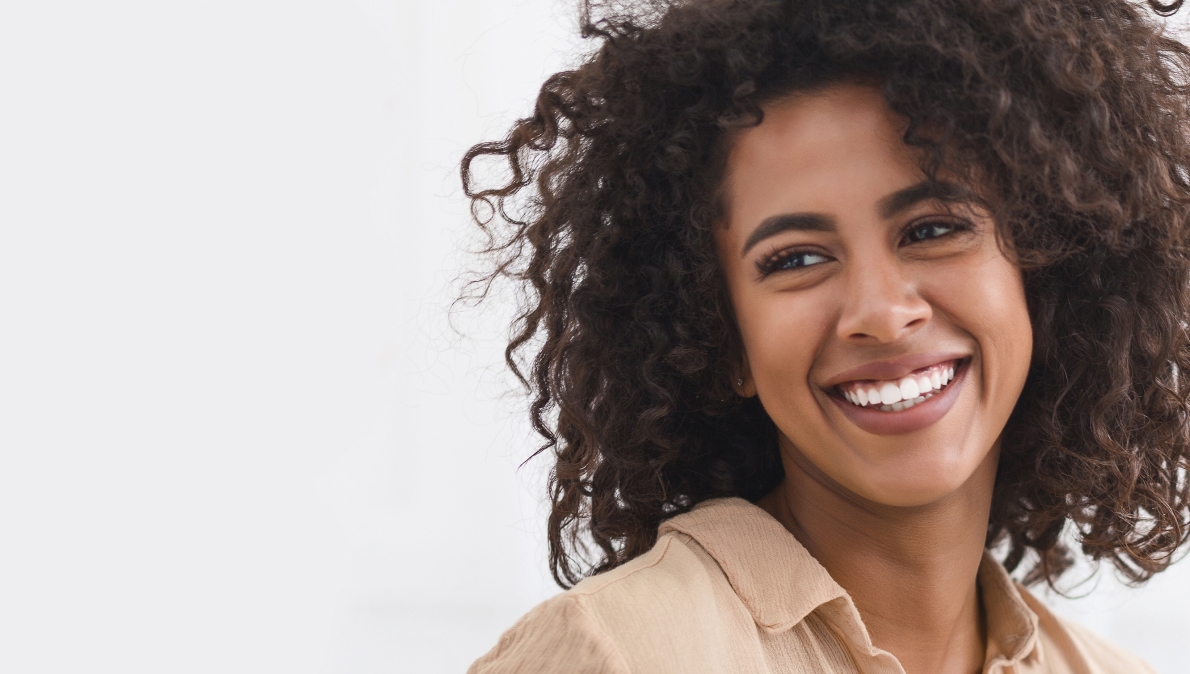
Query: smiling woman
(896, 286)
(838, 313)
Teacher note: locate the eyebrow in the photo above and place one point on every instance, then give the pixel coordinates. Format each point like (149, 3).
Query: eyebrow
(937, 190)
(801, 222)
(888, 207)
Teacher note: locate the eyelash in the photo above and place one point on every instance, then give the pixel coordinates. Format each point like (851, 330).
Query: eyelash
(772, 263)
(955, 227)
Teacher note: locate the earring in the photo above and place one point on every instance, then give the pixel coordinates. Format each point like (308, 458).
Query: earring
(739, 382)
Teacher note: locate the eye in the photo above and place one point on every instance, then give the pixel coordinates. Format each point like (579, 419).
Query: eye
(932, 229)
(789, 259)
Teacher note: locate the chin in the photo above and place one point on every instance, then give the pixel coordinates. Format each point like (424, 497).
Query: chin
(908, 481)
(917, 493)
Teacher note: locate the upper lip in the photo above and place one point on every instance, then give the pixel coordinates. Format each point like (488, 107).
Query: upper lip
(893, 368)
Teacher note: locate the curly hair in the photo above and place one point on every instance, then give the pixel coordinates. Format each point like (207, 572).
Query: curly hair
(1073, 115)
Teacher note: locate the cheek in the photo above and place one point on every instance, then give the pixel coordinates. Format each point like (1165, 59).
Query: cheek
(989, 303)
(782, 334)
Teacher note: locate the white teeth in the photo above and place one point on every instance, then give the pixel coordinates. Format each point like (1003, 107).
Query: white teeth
(903, 394)
(890, 393)
(905, 404)
(909, 388)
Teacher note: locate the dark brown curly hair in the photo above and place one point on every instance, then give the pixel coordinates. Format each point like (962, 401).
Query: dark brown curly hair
(1072, 115)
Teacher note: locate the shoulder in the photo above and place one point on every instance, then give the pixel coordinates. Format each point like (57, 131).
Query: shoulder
(638, 615)
(673, 577)
(557, 635)
(1067, 640)
(1103, 655)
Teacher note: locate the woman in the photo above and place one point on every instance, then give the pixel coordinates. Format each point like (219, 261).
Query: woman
(838, 312)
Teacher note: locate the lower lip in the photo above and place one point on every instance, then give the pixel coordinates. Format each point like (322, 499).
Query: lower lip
(915, 418)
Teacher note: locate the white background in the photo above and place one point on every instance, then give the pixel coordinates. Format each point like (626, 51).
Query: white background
(238, 432)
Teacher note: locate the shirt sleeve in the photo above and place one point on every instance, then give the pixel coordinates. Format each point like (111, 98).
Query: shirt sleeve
(556, 636)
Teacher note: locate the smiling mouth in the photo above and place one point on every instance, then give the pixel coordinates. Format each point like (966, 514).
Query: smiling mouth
(898, 395)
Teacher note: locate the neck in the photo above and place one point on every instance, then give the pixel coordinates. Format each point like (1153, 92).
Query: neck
(911, 571)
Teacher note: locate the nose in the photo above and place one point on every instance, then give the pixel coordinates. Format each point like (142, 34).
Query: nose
(882, 303)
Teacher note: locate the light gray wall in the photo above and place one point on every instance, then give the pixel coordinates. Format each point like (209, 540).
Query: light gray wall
(237, 431)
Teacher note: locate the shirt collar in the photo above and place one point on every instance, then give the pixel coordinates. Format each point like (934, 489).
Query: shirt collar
(1012, 626)
(776, 578)
(780, 583)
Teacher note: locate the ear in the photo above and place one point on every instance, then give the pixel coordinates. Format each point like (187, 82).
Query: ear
(743, 384)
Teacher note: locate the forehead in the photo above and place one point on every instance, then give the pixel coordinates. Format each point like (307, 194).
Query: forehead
(816, 151)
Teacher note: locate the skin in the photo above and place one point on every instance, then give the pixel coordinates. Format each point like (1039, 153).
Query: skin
(897, 518)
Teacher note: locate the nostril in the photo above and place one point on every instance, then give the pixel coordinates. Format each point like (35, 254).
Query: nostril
(882, 317)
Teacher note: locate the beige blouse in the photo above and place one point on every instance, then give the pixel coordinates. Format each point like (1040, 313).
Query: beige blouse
(728, 589)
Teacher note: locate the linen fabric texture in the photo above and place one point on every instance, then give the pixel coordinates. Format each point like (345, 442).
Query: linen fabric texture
(728, 589)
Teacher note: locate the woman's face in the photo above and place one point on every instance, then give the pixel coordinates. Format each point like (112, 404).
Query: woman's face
(884, 330)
